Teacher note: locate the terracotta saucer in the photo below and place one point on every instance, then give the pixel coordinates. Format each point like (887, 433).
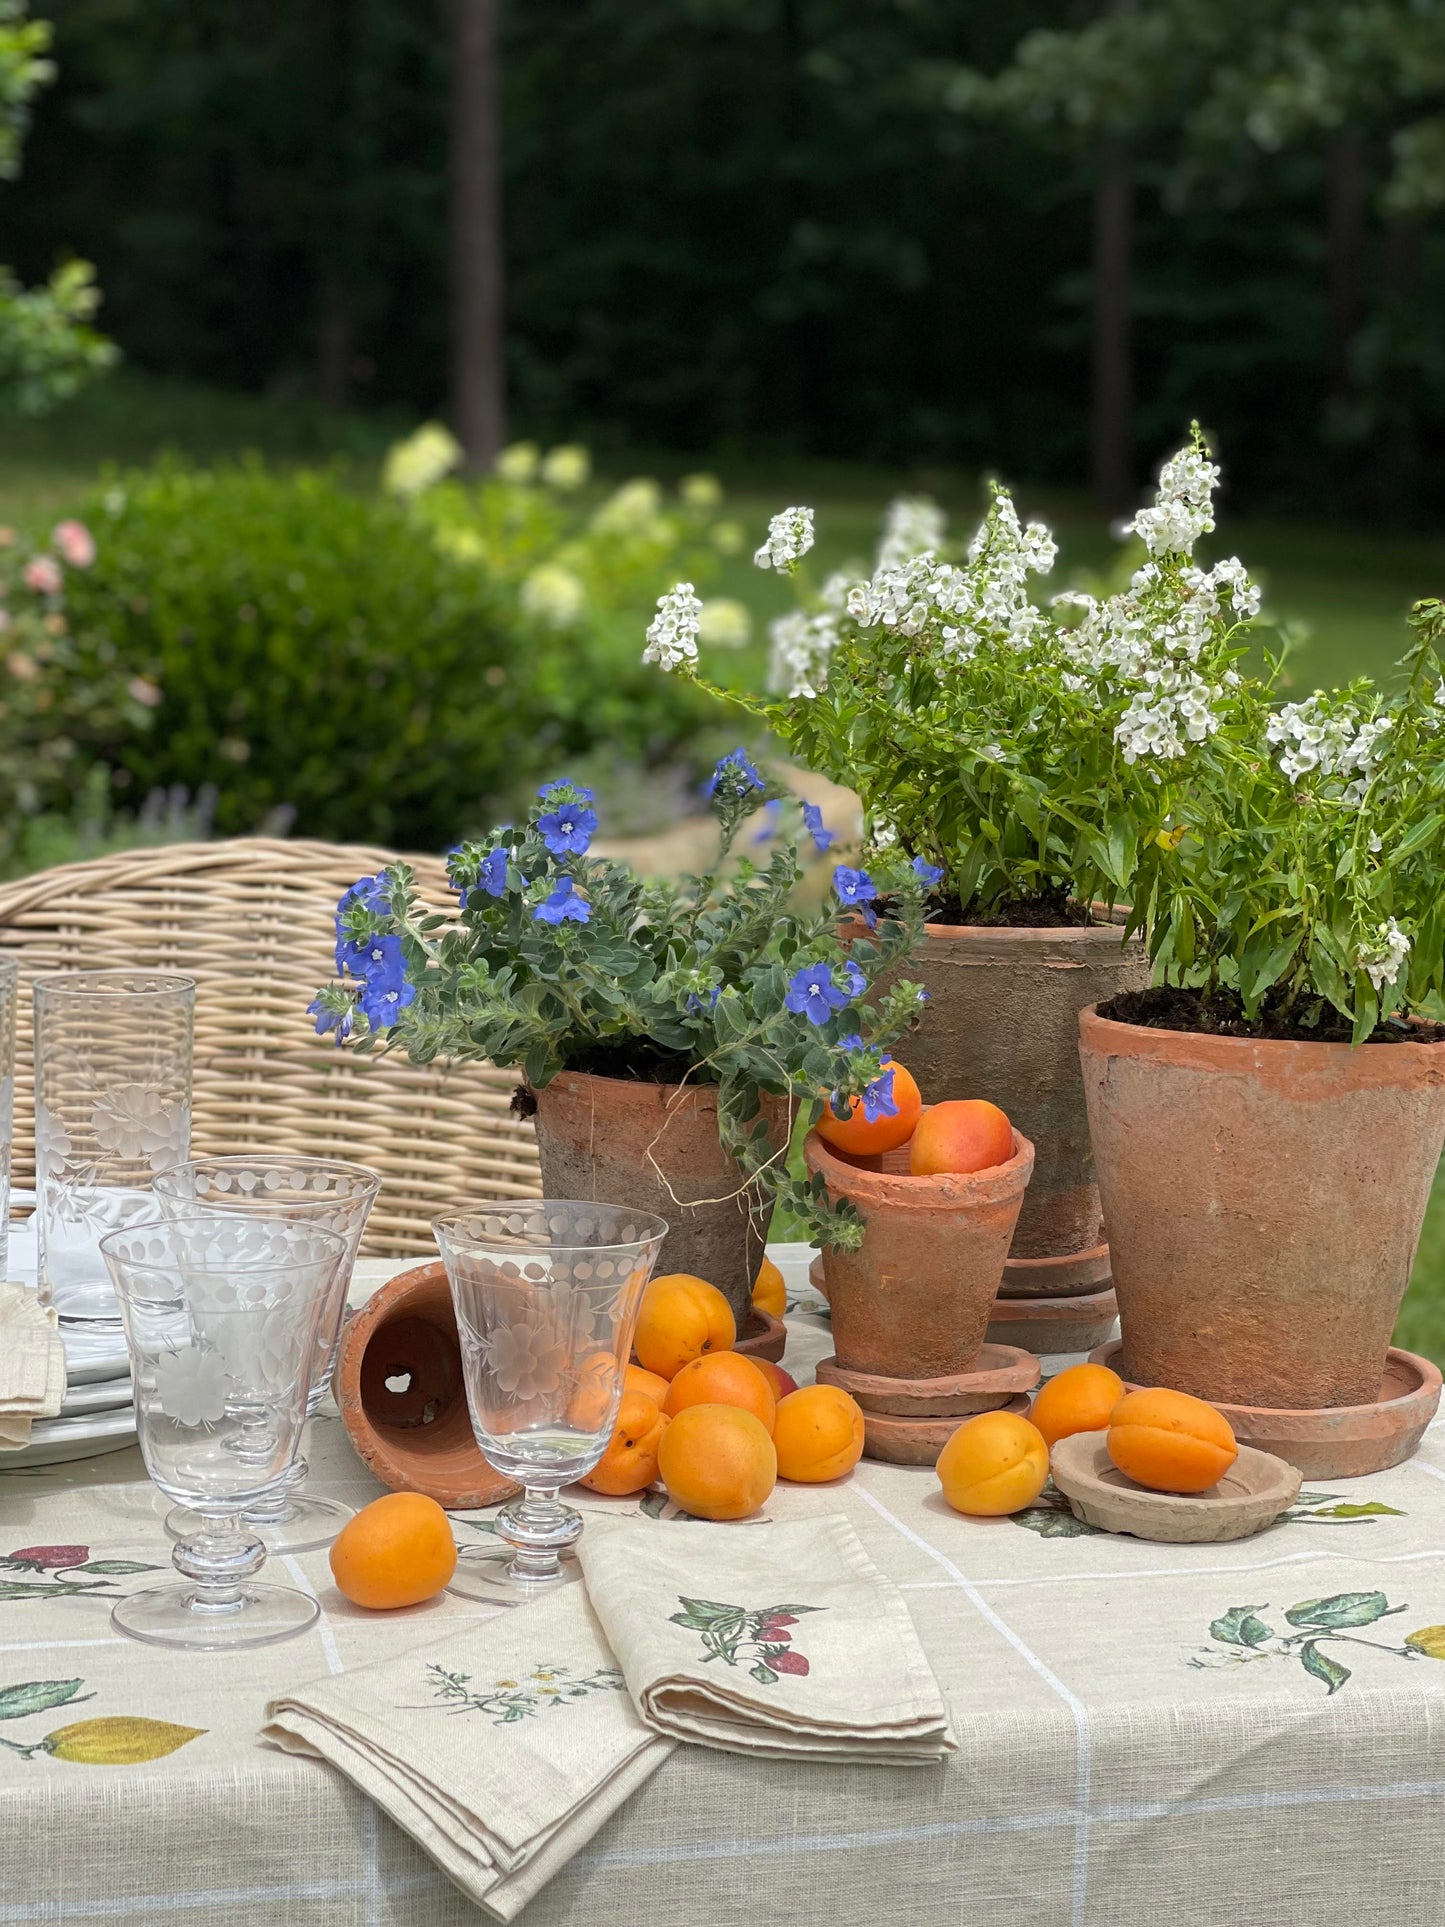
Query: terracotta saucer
(1064, 1276)
(918, 1441)
(763, 1336)
(1335, 1441)
(1251, 1495)
(1000, 1373)
(816, 1278)
(1075, 1324)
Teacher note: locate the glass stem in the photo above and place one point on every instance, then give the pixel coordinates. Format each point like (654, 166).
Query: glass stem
(539, 1530)
(220, 1557)
(278, 1509)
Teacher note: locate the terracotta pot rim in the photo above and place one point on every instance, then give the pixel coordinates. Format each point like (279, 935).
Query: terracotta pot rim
(1202, 1050)
(900, 1190)
(631, 1084)
(1083, 933)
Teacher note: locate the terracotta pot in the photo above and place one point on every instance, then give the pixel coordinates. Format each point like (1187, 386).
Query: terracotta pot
(655, 1147)
(403, 1402)
(1001, 1023)
(914, 1299)
(1263, 1203)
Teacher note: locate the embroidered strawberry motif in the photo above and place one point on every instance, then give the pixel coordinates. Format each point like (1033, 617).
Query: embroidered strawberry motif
(734, 1634)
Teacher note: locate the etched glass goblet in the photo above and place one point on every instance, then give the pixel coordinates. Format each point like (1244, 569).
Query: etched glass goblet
(222, 1319)
(546, 1293)
(324, 1192)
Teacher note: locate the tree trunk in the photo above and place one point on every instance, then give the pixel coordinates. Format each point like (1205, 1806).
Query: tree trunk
(1346, 196)
(478, 389)
(1112, 426)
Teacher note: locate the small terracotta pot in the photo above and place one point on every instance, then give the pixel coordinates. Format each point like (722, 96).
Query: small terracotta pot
(914, 1299)
(403, 1401)
(655, 1147)
(1263, 1203)
(1001, 1023)
(1054, 1324)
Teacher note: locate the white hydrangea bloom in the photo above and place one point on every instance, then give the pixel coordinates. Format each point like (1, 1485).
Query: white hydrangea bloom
(631, 510)
(802, 646)
(701, 491)
(552, 595)
(672, 633)
(790, 536)
(567, 467)
(725, 623)
(420, 461)
(1383, 959)
(913, 525)
(519, 462)
(1183, 506)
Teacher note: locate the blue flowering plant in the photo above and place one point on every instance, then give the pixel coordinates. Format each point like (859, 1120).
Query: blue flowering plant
(556, 959)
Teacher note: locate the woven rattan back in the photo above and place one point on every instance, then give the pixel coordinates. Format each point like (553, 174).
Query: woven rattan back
(252, 922)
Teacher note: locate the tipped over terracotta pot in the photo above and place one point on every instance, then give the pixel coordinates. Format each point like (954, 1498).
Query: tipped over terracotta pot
(915, 1299)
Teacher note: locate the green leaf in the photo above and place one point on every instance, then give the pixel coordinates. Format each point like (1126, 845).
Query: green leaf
(113, 1566)
(1338, 1609)
(707, 1613)
(1320, 1666)
(1370, 1511)
(1239, 1627)
(652, 1505)
(764, 1675)
(1050, 1523)
(37, 1695)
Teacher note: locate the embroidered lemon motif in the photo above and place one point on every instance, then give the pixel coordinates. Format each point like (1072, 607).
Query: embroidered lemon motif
(1430, 1640)
(126, 1740)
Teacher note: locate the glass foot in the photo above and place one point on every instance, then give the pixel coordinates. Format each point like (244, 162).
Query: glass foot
(495, 1575)
(301, 1523)
(255, 1614)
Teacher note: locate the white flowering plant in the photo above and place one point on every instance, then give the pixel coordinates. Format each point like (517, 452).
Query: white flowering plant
(557, 959)
(1038, 761)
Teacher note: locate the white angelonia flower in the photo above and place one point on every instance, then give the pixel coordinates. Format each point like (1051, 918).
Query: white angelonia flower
(882, 835)
(1440, 692)
(835, 591)
(553, 596)
(567, 467)
(420, 461)
(1183, 506)
(1374, 844)
(1384, 958)
(1315, 741)
(518, 463)
(790, 536)
(672, 633)
(913, 525)
(802, 646)
(724, 623)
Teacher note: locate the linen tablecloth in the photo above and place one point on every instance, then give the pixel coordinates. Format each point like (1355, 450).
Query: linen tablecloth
(1218, 1734)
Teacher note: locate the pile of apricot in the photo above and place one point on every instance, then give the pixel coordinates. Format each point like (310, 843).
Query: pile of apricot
(962, 1135)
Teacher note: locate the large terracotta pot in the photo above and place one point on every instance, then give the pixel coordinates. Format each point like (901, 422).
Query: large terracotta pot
(1263, 1204)
(1001, 1023)
(655, 1147)
(914, 1299)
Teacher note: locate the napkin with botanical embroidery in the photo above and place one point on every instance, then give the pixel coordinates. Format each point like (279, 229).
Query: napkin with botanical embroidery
(501, 1751)
(783, 1640)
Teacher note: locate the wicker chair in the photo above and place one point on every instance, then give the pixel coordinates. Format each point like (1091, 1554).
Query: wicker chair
(252, 922)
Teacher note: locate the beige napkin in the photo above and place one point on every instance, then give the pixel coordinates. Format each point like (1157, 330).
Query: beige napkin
(501, 1751)
(783, 1640)
(32, 1364)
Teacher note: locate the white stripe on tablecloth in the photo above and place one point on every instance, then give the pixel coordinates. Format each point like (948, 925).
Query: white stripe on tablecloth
(1179, 1572)
(1084, 1739)
(334, 1661)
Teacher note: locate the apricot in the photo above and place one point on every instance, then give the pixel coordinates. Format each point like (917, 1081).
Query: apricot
(783, 1383)
(682, 1317)
(597, 1377)
(860, 1139)
(717, 1462)
(1170, 1441)
(769, 1292)
(818, 1434)
(630, 1462)
(397, 1551)
(635, 1379)
(1080, 1399)
(994, 1463)
(723, 1378)
(962, 1135)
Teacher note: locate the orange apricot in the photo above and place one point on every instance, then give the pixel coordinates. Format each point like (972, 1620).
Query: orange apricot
(782, 1382)
(630, 1462)
(597, 1380)
(723, 1378)
(994, 1463)
(1079, 1399)
(860, 1139)
(682, 1317)
(397, 1551)
(769, 1292)
(962, 1135)
(717, 1462)
(635, 1379)
(818, 1434)
(1170, 1441)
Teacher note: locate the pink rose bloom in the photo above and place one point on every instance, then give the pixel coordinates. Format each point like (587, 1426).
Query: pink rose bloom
(42, 573)
(75, 543)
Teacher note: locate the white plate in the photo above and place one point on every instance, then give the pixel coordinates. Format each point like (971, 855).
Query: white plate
(54, 1441)
(109, 1395)
(94, 1352)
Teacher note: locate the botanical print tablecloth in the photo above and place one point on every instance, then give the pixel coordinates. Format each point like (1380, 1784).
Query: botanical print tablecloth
(1212, 1735)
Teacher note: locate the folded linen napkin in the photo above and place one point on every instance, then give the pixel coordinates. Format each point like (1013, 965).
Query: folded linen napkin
(32, 1363)
(783, 1640)
(501, 1750)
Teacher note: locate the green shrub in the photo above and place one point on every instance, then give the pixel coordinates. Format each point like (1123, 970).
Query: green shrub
(315, 651)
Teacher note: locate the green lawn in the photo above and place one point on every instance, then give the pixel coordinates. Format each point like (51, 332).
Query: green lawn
(1351, 588)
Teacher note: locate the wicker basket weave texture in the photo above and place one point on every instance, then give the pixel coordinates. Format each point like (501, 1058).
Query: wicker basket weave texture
(252, 921)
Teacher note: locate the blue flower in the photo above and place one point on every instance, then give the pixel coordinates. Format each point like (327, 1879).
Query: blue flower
(926, 872)
(770, 828)
(567, 830)
(854, 979)
(564, 905)
(736, 771)
(579, 790)
(814, 825)
(851, 1042)
(492, 877)
(386, 989)
(341, 1021)
(693, 1005)
(878, 1099)
(813, 994)
(368, 893)
(856, 889)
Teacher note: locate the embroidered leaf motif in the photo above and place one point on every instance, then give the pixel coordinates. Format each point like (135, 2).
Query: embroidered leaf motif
(1342, 1609)
(764, 1675)
(114, 1566)
(1374, 1509)
(505, 1701)
(1429, 1641)
(1051, 1523)
(734, 1634)
(127, 1740)
(1322, 1667)
(48, 1589)
(1239, 1627)
(37, 1695)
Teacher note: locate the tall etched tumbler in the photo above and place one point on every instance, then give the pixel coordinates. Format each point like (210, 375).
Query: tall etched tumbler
(9, 976)
(112, 1107)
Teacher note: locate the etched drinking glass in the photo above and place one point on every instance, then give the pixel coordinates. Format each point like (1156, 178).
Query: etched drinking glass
(112, 1107)
(546, 1293)
(324, 1192)
(222, 1320)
